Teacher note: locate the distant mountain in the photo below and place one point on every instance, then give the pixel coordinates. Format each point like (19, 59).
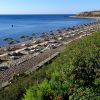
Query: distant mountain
(89, 14)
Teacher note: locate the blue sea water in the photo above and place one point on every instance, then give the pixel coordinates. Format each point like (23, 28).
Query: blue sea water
(28, 24)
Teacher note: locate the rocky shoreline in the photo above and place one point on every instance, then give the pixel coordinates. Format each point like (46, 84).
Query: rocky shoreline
(37, 53)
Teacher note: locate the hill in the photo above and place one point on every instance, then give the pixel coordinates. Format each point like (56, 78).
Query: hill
(89, 14)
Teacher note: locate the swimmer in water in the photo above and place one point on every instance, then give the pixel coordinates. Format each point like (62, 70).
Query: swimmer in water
(12, 25)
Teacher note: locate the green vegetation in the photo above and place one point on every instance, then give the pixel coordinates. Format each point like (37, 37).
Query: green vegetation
(74, 75)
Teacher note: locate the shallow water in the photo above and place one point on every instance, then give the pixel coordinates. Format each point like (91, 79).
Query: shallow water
(28, 24)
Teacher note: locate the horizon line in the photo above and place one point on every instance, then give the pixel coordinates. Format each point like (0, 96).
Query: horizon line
(38, 14)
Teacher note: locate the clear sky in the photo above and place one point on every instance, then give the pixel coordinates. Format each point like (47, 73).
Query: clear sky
(47, 6)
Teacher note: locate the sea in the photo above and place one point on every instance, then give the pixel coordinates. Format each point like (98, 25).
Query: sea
(15, 26)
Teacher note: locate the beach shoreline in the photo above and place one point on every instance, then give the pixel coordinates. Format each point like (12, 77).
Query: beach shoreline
(34, 24)
(44, 51)
(84, 17)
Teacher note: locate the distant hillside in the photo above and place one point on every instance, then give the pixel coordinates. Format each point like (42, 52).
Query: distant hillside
(89, 14)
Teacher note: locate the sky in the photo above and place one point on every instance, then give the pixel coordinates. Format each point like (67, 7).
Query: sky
(47, 6)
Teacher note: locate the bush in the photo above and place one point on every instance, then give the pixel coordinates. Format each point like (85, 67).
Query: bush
(75, 75)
